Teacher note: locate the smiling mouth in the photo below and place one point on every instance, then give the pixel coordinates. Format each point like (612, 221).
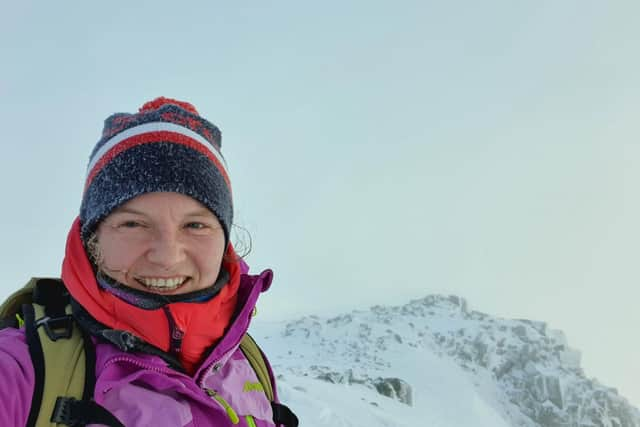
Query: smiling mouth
(160, 284)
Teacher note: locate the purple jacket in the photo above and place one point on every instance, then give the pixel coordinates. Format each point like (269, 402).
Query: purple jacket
(142, 391)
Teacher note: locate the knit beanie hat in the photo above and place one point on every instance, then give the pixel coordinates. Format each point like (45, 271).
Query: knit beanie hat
(166, 146)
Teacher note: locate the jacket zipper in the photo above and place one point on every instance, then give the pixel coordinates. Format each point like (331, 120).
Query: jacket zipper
(231, 413)
(175, 333)
(140, 365)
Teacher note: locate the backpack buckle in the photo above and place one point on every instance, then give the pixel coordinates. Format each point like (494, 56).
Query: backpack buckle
(62, 411)
(57, 327)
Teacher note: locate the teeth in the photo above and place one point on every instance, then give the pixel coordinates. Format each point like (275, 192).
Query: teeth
(153, 282)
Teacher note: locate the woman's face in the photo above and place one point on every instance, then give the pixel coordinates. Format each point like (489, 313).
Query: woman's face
(165, 243)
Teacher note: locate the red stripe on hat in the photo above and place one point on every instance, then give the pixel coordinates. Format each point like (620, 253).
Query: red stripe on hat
(150, 138)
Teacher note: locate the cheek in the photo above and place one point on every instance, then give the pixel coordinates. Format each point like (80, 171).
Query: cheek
(208, 259)
(117, 254)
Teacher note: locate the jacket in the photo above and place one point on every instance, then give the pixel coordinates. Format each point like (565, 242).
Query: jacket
(142, 390)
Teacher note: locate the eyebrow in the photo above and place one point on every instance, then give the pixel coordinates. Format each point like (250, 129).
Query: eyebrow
(200, 212)
(197, 212)
(127, 210)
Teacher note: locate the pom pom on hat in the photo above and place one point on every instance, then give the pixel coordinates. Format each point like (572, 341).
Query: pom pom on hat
(160, 101)
(166, 146)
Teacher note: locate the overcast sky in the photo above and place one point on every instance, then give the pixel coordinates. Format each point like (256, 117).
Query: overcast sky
(379, 151)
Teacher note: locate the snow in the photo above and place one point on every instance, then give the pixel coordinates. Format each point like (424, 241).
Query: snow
(452, 403)
(443, 392)
(450, 366)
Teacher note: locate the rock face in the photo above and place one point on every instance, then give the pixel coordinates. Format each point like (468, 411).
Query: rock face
(394, 388)
(536, 369)
(538, 377)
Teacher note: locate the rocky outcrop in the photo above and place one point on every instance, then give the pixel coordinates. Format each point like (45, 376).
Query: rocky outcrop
(394, 388)
(535, 368)
(537, 375)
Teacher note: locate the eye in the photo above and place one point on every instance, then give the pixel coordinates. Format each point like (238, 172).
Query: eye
(195, 225)
(129, 224)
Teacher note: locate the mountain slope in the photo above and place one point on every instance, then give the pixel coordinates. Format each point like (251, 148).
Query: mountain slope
(434, 362)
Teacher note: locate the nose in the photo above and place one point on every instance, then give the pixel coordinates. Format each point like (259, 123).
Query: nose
(166, 250)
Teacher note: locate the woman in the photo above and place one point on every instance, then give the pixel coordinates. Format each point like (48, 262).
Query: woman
(154, 279)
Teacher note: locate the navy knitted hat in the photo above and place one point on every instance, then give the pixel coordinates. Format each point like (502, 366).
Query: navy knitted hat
(166, 146)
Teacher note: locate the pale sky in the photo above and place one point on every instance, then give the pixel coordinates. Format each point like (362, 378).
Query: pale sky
(379, 151)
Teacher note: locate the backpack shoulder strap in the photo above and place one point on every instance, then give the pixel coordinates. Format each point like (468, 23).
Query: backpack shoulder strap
(57, 347)
(282, 415)
(256, 359)
(64, 360)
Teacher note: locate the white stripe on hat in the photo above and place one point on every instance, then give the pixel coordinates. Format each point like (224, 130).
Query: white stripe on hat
(154, 127)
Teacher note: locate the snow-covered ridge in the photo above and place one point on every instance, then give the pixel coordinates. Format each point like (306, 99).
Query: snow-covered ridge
(520, 369)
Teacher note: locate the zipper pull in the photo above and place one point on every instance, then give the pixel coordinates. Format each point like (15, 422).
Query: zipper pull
(233, 416)
(124, 340)
(176, 333)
